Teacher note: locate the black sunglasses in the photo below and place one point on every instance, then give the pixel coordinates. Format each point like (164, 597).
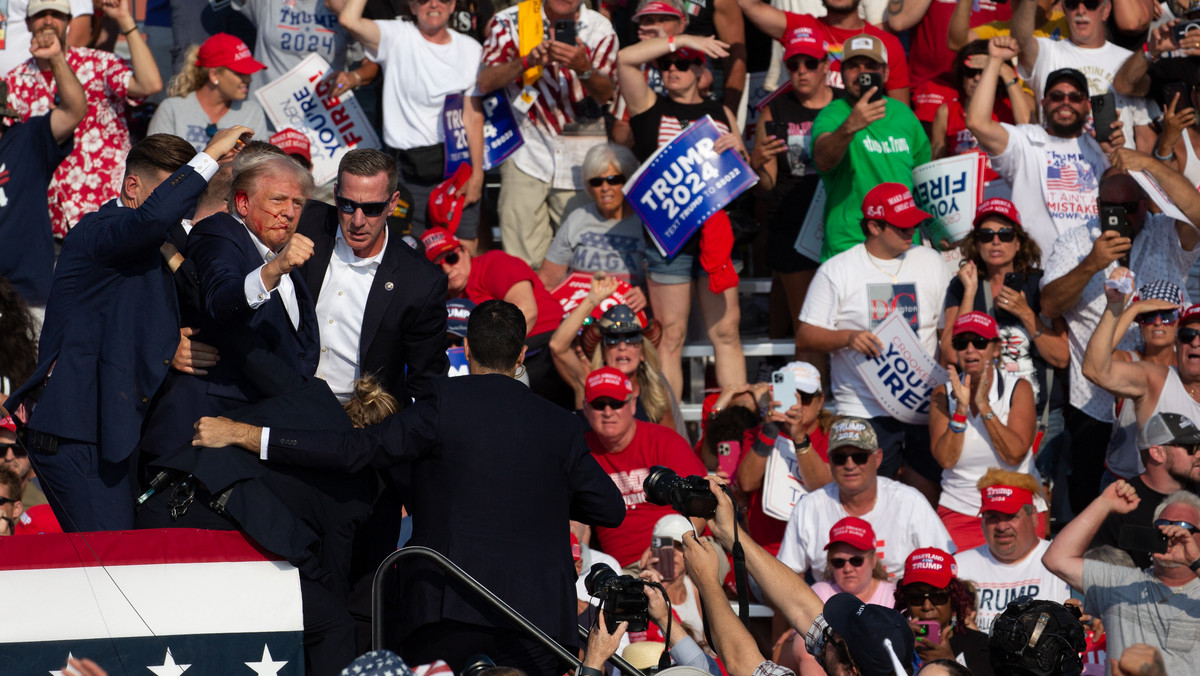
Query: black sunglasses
(1186, 335)
(607, 402)
(451, 258)
(1060, 96)
(1159, 523)
(349, 206)
(810, 63)
(805, 398)
(17, 451)
(856, 561)
(664, 63)
(1006, 235)
(615, 179)
(960, 343)
(859, 457)
(1092, 5)
(8, 501)
(917, 598)
(1165, 316)
(616, 339)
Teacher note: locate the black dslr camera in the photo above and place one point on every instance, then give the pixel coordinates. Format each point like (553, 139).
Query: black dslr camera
(623, 598)
(690, 496)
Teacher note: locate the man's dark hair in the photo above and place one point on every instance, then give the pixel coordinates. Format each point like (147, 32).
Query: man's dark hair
(18, 335)
(158, 153)
(495, 334)
(368, 162)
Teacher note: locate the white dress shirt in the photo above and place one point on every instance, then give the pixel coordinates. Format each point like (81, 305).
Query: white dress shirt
(340, 306)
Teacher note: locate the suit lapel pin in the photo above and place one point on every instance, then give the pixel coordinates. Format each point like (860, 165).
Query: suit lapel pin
(389, 286)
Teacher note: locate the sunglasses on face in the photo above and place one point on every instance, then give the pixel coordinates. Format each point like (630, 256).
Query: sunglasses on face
(1159, 523)
(972, 73)
(664, 64)
(1092, 5)
(1187, 335)
(17, 451)
(1060, 96)
(451, 258)
(805, 398)
(855, 561)
(917, 598)
(607, 402)
(859, 458)
(1164, 316)
(984, 236)
(960, 343)
(810, 63)
(349, 206)
(615, 179)
(615, 340)
(6, 501)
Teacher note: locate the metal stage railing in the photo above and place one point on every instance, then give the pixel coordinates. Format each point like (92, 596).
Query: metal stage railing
(522, 624)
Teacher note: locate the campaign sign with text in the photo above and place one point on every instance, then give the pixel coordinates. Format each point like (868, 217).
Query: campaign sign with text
(684, 183)
(571, 291)
(455, 133)
(501, 136)
(950, 189)
(303, 100)
(782, 487)
(902, 377)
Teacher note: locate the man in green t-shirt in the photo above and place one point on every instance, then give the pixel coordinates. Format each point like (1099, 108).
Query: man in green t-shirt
(861, 143)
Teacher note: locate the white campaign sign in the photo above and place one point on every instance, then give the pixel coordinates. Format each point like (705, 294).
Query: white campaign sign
(812, 230)
(1159, 196)
(950, 189)
(300, 99)
(782, 488)
(903, 376)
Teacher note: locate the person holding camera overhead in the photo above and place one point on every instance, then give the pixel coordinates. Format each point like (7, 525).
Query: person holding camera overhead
(627, 449)
(470, 486)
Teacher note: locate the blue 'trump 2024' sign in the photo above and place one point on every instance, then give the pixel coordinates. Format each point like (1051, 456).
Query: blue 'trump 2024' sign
(684, 183)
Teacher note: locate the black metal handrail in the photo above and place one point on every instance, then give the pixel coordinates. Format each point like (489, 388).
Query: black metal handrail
(377, 628)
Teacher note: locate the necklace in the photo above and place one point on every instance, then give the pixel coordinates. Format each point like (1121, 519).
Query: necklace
(894, 275)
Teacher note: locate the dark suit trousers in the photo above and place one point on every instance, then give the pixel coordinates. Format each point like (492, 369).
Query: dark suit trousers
(86, 492)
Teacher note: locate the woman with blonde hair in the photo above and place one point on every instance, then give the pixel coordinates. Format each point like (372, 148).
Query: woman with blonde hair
(211, 92)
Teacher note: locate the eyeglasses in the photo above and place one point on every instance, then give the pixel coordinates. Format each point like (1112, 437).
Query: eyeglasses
(1092, 5)
(664, 63)
(960, 343)
(7, 501)
(1186, 335)
(1060, 96)
(1129, 207)
(1159, 523)
(855, 561)
(607, 402)
(984, 236)
(859, 457)
(615, 179)
(616, 339)
(971, 73)
(1190, 449)
(451, 258)
(917, 598)
(1165, 316)
(349, 206)
(17, 451)
(810, 63)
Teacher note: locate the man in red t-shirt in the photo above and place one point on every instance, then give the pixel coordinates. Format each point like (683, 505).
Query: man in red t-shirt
(839, 24)
(626, 449)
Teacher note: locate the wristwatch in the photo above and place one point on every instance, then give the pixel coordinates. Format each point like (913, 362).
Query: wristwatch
(990, 415)
(587, 73)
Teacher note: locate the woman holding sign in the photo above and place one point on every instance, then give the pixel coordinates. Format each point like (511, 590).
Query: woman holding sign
(984, 417)
(655, 120)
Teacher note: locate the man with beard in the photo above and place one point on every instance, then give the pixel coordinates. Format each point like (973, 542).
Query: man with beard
(1054, 172)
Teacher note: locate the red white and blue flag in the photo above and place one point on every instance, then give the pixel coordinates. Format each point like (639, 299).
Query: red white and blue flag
(1062, 178)
(166, 602)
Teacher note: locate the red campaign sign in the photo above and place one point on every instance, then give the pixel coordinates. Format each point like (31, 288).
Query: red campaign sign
(572, 290)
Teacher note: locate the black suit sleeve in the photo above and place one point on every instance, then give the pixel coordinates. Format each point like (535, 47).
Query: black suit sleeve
(146, 228)
(220, 262)
(595, 499)
(400, 438)
(425, 341)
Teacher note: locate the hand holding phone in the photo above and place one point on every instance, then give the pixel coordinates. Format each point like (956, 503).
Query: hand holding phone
(728, 454)
(929, 630)
(564, 32)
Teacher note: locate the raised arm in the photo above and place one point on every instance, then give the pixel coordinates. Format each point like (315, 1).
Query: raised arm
(1024, 18)
(1133, 16)
(731, 639)
(1121, 378)
(364, 30)
(902, 15)
(638, 95)
(992, 135)
(768, 19)
(146, 79)
(830, 147)
(72, 105)
(1178, 188)
(1064, 558)
(570, 368)
(731, 30)
(958, 34)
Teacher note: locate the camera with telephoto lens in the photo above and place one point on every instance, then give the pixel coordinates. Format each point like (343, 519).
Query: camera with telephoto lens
(622, 597)
(690, 496)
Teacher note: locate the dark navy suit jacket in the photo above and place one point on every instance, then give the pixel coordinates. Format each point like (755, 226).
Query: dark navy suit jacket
(112, 321)
(497, 473)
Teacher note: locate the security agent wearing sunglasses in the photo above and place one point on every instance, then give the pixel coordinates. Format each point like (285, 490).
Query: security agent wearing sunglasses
(1154, 606)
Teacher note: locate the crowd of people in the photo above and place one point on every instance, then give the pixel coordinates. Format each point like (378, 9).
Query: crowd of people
(194, 333)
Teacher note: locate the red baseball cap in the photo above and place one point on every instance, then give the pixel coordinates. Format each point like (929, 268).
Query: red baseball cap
(893, 204)
(446, 201)
(293, 142)
(693, 54)
(607, 381)
(854, 532)
(1192, 313)
(660, 8)
(438, 241)
(1005, 499)
(228, 51)
(979, 323)
(930, 565)
(7, 423)
(802, 41)
(997, 206)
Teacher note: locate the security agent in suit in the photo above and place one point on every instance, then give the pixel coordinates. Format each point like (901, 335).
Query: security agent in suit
(498, 483)
(111, 330)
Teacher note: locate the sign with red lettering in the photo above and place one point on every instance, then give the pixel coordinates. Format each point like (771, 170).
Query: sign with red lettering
(571, 291)
(333, 122)
(903, 375)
